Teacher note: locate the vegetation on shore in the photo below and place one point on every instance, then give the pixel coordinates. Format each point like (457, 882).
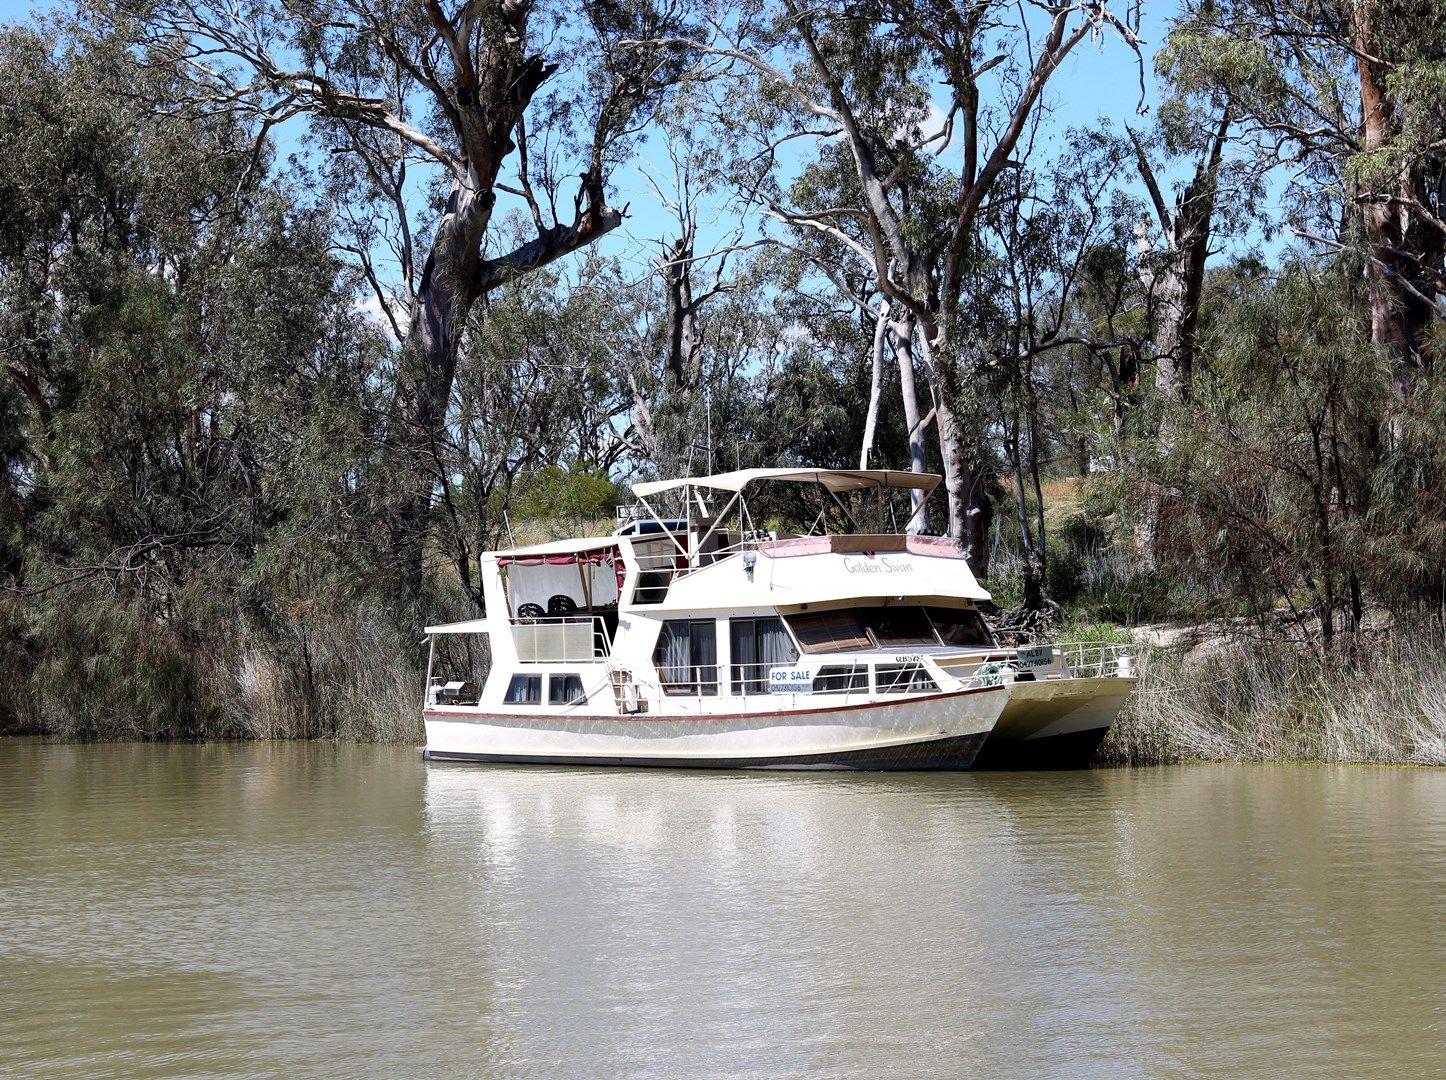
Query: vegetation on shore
(1253, 701)
(299, 313)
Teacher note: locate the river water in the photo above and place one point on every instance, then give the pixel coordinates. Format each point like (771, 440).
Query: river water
(308, 909)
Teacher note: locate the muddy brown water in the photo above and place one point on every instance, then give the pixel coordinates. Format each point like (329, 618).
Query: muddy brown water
(318, 910)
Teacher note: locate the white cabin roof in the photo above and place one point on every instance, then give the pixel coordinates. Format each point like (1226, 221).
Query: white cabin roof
(833, 479)
(559, 547)
(471, 626)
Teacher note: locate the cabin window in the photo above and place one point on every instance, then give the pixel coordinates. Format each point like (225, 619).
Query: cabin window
(862, 628)
(892, 627)
(841, 679)
(904, 679)
(565, 690)
(829, 631)
(964, 627)
(524, 690)
(687, 656)
(758, 645)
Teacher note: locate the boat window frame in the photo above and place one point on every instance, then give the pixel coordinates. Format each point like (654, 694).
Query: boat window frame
(564, 677)
(697, 686)
(914, 685)
(866, 617)
(740, 684)
(856, 674)
(525, 678)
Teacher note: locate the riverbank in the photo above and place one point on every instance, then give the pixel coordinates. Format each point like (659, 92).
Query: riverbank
(96, 673)
(1226, 699)
(1204, 694)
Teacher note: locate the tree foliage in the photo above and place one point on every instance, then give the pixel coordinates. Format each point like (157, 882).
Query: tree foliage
(303, 305)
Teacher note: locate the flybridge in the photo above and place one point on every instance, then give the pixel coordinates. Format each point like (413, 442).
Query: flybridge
(693, 530)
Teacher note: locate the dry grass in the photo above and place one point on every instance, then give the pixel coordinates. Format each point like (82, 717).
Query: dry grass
(1254, 702)
(1064, 496)
(346, 684)
(97, 671)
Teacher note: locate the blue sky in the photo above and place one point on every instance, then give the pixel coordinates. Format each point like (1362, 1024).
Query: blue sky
(1098, 83)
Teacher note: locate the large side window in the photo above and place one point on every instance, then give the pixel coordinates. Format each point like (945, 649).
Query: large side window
(961, 626)
(830, 631)
(687, 656)
(895, 627)
(524, 690)
(758, 644)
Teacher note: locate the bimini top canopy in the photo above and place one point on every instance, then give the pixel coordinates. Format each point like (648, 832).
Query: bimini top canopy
(833, 479)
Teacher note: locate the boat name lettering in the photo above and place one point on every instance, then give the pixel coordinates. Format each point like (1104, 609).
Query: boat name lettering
(908, 658)
(876, 566)
(790, 681)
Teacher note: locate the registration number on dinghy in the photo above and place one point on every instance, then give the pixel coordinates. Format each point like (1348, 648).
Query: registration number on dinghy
(1036, 657)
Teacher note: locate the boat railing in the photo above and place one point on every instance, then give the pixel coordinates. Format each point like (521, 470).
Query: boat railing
(1096, 659)
(569, 638)
(689, 680)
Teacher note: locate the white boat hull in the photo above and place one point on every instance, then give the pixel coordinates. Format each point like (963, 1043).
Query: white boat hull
(1054, 724)
(937, 731)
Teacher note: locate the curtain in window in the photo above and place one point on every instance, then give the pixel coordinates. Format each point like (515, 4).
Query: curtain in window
(744, 651)
(687, 656)
(675, 657)
(524, 690)
(775, 647)
(703, 635)
(758, 645)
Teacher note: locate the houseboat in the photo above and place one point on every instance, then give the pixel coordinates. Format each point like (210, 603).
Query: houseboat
(692, 637)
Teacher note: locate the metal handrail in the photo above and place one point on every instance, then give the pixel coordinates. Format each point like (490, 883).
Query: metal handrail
(1095, 659)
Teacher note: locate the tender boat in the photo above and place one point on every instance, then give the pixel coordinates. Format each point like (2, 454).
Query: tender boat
(691, 637)
(1062, 701)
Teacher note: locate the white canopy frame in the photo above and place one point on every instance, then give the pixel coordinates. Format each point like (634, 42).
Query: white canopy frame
(833, 481)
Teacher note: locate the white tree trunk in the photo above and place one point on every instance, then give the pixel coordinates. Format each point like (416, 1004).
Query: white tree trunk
(876, 385)
(901, 339)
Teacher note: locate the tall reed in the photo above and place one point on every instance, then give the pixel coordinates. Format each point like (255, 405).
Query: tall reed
(1259, 701)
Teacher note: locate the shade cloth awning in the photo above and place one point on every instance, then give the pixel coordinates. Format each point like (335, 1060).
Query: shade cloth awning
(471, 626)
(608, 556)
(833, 479)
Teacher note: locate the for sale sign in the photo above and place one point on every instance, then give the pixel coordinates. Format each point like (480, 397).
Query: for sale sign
(782, 680)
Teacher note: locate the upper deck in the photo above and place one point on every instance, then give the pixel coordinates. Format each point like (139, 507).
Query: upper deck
(705, 553)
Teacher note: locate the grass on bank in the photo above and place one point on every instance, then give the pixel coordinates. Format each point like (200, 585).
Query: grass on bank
(1261, 701)
(90, 670)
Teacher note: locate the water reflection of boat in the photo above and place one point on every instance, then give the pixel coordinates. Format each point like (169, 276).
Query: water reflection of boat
(694, 638)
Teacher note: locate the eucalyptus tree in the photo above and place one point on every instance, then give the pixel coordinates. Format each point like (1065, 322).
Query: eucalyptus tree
(854, 82)
(692, 343)
(1043, 293)
(191, 404)
(434, 112)
(1348, 93)
(1175, 275)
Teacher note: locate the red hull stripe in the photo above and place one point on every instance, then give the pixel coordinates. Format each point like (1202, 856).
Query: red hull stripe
(781, 713)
